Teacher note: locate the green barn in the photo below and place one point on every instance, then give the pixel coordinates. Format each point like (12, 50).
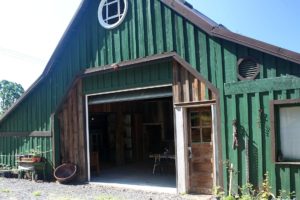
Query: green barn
(137, 81)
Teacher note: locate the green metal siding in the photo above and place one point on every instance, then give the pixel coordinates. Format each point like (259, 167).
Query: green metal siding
(11, 146)
(152, 28)
(31, 115)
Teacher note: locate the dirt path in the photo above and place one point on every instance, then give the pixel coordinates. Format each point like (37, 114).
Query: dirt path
(14, 189)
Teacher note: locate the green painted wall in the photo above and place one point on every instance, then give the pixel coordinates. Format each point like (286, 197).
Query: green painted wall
(152, 28)
(248, 102)
(144, 76)
(11, 146)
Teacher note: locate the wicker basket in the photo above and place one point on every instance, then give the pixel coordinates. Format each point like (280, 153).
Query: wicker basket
(65, 173)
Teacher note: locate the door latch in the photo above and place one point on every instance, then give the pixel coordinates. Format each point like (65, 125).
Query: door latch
(190, 152)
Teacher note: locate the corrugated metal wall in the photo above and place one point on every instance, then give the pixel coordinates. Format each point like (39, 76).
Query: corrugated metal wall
(11, 146)
(152, 28)
(33, 114)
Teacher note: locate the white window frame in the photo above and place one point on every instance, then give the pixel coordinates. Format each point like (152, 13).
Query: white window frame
(279, 120)
(289, 117)
(104, 5)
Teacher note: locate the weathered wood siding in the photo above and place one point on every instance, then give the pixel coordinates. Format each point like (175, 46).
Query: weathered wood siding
(187, 88)
(72, 134)
(151, 28)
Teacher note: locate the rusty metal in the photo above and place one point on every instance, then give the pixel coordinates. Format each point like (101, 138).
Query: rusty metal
(235, 142)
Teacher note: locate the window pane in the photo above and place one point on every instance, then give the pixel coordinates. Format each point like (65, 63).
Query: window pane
(205, 118)
(113, 9)
(206, 134)
(122, 7)
(104, 13)
(113, 20)
(289, 132)
(195, 119)
(196, 135)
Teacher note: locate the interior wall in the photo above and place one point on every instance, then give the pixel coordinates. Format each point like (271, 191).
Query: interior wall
(145, 116)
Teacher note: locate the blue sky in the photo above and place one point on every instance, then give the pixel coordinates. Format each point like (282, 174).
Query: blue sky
(31, 29)
(273, 21)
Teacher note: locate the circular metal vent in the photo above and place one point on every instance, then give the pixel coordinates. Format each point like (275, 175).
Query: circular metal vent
(248, 68)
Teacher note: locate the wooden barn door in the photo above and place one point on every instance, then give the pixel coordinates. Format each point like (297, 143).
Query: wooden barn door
(200, 150)
(197, 133)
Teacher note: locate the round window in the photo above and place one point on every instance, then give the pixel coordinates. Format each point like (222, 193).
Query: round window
(111, 13)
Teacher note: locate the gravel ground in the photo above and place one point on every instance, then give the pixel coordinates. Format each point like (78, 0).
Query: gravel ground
(25, 189)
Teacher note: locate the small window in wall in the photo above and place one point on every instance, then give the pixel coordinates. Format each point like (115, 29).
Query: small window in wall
(248, 68)
(200, 125)
(285, 118)
(111, 13)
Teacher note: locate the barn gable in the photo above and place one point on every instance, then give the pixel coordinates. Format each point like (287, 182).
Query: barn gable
(150, 28)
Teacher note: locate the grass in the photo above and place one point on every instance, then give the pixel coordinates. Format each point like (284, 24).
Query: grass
(5, 190)
(37, 193)
(105, 197)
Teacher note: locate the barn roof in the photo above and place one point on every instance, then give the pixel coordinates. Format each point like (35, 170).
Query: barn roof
(185, 10)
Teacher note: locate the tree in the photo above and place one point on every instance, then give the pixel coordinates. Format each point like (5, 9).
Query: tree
(10, 92)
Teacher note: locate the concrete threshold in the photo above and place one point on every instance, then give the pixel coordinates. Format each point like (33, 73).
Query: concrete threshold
(146, 188)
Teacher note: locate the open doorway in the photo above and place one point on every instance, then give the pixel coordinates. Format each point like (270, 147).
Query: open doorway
(132, 143)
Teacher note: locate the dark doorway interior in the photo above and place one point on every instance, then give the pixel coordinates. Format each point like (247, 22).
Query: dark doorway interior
(127, 137)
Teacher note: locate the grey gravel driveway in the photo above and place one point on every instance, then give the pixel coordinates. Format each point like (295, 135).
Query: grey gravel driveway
(14, 189)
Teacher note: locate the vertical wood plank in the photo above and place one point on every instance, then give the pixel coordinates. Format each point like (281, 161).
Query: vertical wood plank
(234, 156)
(70, 130)
(270, 166)
(185, 86)
(195, 89)
(81, 140)
(158, 27)
(176, 84)
(141, 29)
(179, 36)
(168, 29)
(191, 44)
(203, 91)
(270, 66)
(75, 125)
(150, 40)
(64, 137)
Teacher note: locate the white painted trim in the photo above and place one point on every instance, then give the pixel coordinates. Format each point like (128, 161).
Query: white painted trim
(87, 138)
(120, 15)
(181, 150)
(128, 90)
(215, 142)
